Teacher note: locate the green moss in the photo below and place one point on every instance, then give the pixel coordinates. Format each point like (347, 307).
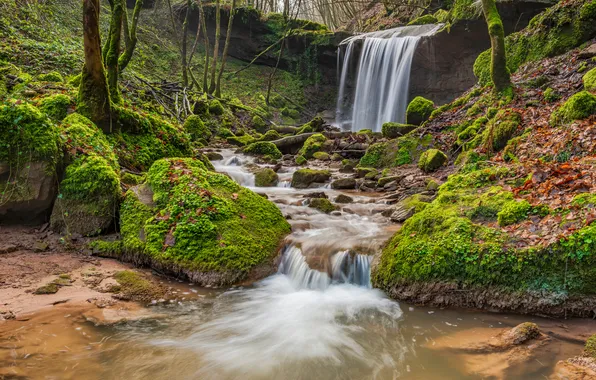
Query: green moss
(465, 137)
(400, 151)
(482, 67)
(259, 124)
(423, 20)
(55, 106)
(419, 110)
(432, 160)
(313, 144)
(589, 80)
(132, 179)
(271, 135)
(135, 286)
(277, 101)
(225, 133)
(240, 140)
(323, 156)
(590, 347)
(374, 155)
(26, 135)
(50, 288)
(133, 216)
(112, 249)
(203, 221)
(315, 125)
(82, 137)
(303, 178)
(579, 106)
(551, 95)
(290, 112)
(300, 160)
(215, 107)
(392, 130)
(322, 204)
(266, 178)
(502, 128)
(513, 212)
(53, 76)
(263, 148)
(194, 126)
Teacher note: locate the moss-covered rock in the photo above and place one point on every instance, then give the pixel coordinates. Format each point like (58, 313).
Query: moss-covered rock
(590, 347)
(271, 135)
(344, 183)
(203, 225)
(88, 197)
(423, 20)
(263, 148)
(55, 106)
(300, 160)
(502, 128)
(392, 130)
(522, 333)
(135, 286)
(321, 204)
(53, 76)
(589, 80)
(513, 212)
(323, 156)
(419, 110)
(194, 126)
(315, 125)
(312, 145)
(240, 140)
(215, 108)
(432, 160)
(550, 95)
(580, 106)
(225, 133)
(29, 159)
(259, 124)
(304, 178)
(266, 177)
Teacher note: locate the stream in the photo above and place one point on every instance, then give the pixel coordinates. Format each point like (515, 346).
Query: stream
(317, 318)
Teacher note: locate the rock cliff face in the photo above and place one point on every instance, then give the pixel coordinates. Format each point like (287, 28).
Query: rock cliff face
(442, 65)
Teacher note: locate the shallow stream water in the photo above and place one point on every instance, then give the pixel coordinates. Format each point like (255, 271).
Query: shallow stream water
(317, 318)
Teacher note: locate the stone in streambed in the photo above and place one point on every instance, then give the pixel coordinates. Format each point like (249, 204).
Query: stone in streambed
(322, 204)
(304, 178)
(266, 178)
(342, 198)
(344, 183)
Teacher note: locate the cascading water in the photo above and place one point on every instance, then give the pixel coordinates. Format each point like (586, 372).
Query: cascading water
(382, 76)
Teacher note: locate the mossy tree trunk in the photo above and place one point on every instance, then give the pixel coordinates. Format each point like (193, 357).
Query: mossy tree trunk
(113, 52)
(215, 45)
(499, 72)
(226, 47)
(130, 35)
(94, 96)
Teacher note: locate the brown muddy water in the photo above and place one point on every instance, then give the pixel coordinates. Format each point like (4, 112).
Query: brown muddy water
(301, 323)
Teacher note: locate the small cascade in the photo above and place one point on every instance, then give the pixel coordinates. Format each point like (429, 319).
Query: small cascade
(345, 267)
(380, 71)
(233, 167)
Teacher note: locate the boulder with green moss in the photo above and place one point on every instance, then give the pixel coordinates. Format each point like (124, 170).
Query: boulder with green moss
(263, 148)
(315, 125)
(194, 126)
(52, 76)
(305, 178)
(513, 212)
(240, 140)
(202, 225)
(266, 177)
(502, 128)
(580, 106)
(271, 135)
(88, 197)
(30, 157)
(300, 160)
(432, 160)
(215, 107)
(323, 156)
(321, 204)
(419, 110)
(312, 145)
(55, 106)
(392, 130)
(590, 347)
(344, 183)
(423, 20)
(259, 124)
(589, 80)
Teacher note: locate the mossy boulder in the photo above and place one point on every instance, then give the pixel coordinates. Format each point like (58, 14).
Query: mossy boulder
(342, 198)
(304, 178)
(589, 80)
(323, 156)
(135, 286)
(300, 160)
(423, 20)
(502, 128)
(312, 145)
(225, 133)
(419, 110)
(522, 333)
(263, 148)
(83, 137)
(392, 130)
(551, 95)
(580, 106)
(241, 140)
(259, 124)
(52, 76)
(514, 212)
(194, 126)
(266, 178)
(55, 106)
(321, 204)
(30, 155)
(203, 225)
(88, 197)
(215, 107)
(590, 347)
(344, 183)
(432, 160)
(271, 135)
(315, 125)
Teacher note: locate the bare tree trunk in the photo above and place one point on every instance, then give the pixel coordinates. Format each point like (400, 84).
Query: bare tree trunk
(183, 47)
(226, 47)
(499, 72)
(216, 45)
(130, 35)
(114, 50)
(94, 97)
(206, 68)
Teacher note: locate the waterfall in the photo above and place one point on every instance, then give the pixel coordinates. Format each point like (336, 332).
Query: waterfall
(346, 267)
(382, 76)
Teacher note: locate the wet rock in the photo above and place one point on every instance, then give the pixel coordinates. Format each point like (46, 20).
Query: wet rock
(588, 52)
(391, 186)
(347, 168)
(385, 180)
(322, 204)
(304, 178)
(336, 213)
(266, 177)
(362, 172)
(368, 186)
(522, 333)
(214, 156)
(401, 213)
(318, 194)
(342, 198)
(344, 183)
